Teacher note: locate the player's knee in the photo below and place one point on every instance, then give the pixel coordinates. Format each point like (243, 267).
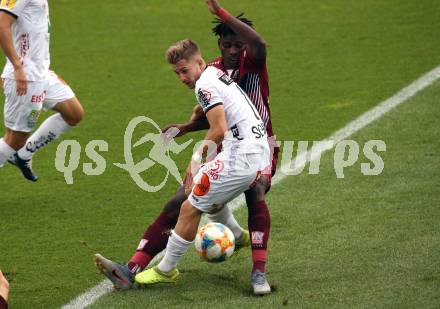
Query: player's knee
(71, 111)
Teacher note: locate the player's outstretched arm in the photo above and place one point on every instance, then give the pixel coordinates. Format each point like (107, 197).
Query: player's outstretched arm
(188, 127)
(6, 21)
(198, 120)
(255, 42)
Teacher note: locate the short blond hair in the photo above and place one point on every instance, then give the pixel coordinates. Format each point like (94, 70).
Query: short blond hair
(183, 49)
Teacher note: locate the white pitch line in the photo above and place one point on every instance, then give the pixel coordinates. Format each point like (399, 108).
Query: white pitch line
(93, 294)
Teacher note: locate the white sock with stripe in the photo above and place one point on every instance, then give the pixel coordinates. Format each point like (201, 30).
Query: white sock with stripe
(48, 131)
(176, 248)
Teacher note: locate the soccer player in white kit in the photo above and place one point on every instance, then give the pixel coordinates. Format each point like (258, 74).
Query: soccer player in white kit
(29, 86)
(235, 123)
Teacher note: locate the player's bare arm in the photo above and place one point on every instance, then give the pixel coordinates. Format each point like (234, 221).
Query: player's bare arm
(197, 122)
(191, 126)
(216, 133)
(217, 125)
(255, 42)
(6, 21)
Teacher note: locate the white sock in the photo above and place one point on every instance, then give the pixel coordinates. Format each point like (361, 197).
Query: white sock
(5, 151)
(176, 248)
(226, 217)
(49, 130)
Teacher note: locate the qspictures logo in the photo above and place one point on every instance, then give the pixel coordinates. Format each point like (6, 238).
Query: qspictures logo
(346, 154)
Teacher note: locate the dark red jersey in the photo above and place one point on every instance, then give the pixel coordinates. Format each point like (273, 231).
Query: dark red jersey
(252, 77)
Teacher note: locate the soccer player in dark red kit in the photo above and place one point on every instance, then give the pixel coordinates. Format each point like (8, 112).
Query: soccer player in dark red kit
(243, 58)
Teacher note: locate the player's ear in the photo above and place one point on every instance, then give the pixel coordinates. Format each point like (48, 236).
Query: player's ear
(200, 61)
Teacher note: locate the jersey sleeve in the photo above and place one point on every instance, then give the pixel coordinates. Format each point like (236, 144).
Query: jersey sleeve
(208, 94)
(13, 7)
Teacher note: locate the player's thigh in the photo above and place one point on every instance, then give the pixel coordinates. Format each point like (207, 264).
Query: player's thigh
(62, 99)
(21, 112)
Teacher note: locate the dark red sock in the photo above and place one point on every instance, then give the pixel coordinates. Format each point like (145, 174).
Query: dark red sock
(259, 260)
(154, 241)
(259, 228)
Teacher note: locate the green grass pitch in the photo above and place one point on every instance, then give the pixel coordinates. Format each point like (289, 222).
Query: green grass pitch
(354, 242)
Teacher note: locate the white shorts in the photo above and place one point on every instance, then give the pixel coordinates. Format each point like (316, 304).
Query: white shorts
(226, 177)
(21, 112)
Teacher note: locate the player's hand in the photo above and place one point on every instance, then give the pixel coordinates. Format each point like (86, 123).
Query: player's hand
(182, 129)
(213, 6)
(20, 80)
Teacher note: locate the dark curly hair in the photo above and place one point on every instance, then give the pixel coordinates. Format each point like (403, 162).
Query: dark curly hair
(221, 29)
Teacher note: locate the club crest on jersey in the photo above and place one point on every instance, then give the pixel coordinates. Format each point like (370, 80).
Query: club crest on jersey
(226, 79)
(204, 97)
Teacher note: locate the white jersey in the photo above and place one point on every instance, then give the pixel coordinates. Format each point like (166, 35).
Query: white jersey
(247, 133)
(30, 34)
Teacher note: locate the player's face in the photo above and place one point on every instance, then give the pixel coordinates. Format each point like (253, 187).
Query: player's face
(189, 71)
(231, 46)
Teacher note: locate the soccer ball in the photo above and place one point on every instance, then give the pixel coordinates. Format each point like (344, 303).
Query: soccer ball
(215, 242)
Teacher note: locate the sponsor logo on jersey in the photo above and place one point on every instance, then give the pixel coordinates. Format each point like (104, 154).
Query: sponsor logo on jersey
(236, 132)
(24, 44)
(10, 4)
(259, 130)
(226, 79)
(38, 98)
(204, 97)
